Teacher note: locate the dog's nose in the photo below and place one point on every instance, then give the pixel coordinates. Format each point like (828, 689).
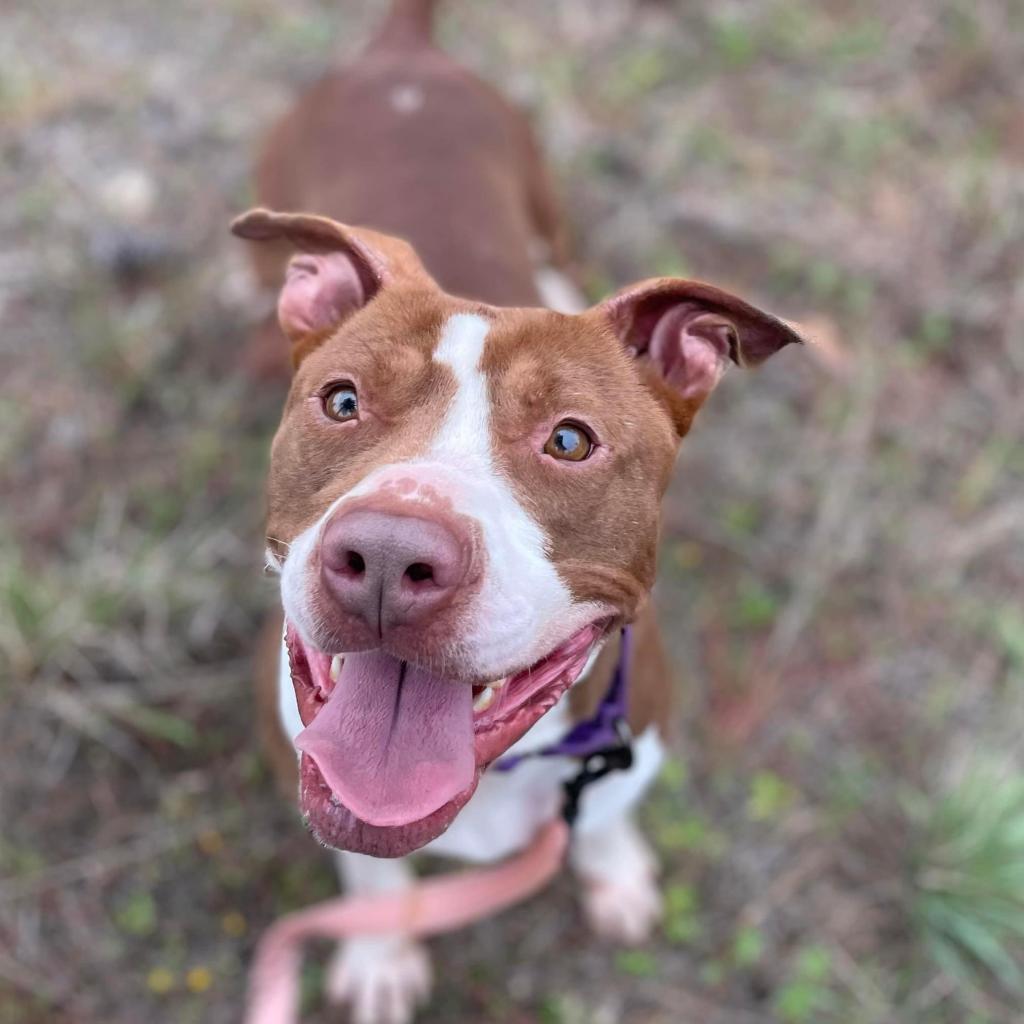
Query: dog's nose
(392, 570)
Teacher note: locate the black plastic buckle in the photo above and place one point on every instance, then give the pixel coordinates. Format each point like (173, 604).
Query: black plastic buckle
(596, 766)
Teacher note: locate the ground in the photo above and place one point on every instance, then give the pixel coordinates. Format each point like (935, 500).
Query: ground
(842, 567)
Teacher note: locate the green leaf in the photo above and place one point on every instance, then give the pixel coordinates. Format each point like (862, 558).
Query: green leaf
(637, 962)
(160, 725)
(813, 963)
(734, 42)
(747, 946)
(755, 606)
(673, 773)
(137, 914)
(1009, 629)
(796, 1001)
(769, 797)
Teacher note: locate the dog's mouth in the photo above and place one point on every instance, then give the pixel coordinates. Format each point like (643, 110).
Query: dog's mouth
(391, 751)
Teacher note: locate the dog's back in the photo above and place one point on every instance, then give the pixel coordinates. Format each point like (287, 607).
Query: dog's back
(408, 142)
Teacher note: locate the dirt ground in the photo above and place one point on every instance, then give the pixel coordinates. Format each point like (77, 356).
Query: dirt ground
(842, 580)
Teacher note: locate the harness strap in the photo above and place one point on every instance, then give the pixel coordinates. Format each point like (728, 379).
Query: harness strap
(607, 729)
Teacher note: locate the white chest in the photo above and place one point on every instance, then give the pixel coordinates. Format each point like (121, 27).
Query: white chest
(505, 812)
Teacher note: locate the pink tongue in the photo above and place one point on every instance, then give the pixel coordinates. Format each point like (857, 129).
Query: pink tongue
(393, 742)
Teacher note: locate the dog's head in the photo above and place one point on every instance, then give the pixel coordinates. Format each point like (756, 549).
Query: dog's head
(463, 501)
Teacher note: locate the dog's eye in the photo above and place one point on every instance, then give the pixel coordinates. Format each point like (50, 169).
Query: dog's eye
(570, 442)
(342, 403)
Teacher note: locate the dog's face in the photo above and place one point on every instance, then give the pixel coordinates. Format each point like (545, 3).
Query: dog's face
(463, 501)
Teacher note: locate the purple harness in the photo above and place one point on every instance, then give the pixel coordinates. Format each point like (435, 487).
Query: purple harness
(603, 742)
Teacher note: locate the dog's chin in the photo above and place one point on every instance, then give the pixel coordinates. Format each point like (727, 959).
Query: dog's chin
(518, 702)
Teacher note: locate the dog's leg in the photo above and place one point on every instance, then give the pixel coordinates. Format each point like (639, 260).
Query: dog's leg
(381, 977)
(619, 876)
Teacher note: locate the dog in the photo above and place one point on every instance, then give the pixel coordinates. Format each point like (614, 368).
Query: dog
(464, 492)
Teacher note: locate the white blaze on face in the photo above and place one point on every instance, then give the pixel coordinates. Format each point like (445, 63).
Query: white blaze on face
(465, 433)
(523, 610)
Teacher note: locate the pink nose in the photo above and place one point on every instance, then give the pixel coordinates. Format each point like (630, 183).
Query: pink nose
(392, 570)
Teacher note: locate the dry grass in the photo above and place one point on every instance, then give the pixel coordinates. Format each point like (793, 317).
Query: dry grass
(842, 564)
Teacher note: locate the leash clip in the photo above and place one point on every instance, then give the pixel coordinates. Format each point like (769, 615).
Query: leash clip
(596, 765)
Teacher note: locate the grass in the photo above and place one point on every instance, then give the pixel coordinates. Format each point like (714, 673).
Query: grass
(967, 880)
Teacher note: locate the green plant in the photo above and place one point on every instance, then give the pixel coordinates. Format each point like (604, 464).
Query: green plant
(967, 879)
(682, 914)
(747, 946)
(637, 962)
(770, 797)
(806, 993)
(137, 914)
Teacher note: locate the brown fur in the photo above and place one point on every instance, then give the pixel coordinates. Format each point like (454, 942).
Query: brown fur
(460, 177)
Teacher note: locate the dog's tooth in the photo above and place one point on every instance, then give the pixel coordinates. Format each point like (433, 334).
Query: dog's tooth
(499, 683)
(484, 700)
(335, 667)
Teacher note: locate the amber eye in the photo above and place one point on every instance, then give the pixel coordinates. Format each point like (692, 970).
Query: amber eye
(341, 403)
(569, 441)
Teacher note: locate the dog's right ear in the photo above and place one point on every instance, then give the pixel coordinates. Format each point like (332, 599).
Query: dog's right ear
(334, 271)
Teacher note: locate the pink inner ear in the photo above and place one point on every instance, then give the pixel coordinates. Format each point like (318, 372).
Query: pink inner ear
(691, 349)
(319, 292)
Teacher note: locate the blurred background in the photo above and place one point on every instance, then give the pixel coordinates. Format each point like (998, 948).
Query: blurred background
(842, 583)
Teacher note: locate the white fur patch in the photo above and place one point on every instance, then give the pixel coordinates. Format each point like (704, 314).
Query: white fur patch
(465, 434)
(557, 292)
(287, 705)
(296, 577)
(620, 892)
(381, 978)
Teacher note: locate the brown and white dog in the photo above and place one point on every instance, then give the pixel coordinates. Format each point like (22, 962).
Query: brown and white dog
(464, 489)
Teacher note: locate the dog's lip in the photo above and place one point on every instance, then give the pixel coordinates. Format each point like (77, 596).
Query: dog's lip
(334, 825)
(494, 731)
(514, 689)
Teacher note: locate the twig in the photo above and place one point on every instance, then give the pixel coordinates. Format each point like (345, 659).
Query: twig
(38, 986)
(1001, 523)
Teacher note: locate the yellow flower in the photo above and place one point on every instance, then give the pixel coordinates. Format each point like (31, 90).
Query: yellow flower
(160, 980)
(211, 842)
(199, 979)
(233, 924)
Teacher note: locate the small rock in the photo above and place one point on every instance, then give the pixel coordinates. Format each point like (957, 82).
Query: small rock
(129, 195)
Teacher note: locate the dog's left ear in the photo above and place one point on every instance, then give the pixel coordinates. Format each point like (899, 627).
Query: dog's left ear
(685, 333)
(335, 270)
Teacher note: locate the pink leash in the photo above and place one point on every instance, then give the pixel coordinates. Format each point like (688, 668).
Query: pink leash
(434, 906)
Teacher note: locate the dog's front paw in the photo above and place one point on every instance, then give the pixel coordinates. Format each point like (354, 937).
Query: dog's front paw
(620, 895)
(381, 978)
(622, 911)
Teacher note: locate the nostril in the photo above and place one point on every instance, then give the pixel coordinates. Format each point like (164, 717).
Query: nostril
(419, 572)
(355, 563)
